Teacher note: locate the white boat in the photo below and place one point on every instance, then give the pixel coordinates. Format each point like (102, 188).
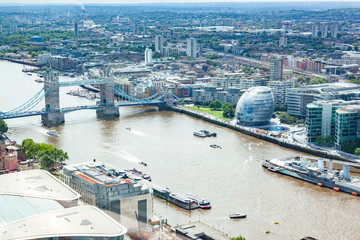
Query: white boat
(53, 133)
(200, 134)
(237, 215)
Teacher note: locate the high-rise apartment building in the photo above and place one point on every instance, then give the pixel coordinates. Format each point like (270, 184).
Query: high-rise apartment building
(191, 50)
(148, 56)
(276, 67)
(287, 26)
(315, 30)
(334, 31)
(283, 41)
(159, 43)
(76, 29)
(324, 30)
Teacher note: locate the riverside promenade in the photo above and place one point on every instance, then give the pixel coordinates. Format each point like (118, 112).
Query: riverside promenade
(293, 141)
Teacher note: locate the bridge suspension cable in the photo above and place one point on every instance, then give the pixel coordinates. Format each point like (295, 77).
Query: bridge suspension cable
(29, 105)
(27, 102)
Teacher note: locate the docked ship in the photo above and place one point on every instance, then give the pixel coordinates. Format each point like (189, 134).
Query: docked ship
(139, 174)
(202, 203)
(313, 170)
(177, 199)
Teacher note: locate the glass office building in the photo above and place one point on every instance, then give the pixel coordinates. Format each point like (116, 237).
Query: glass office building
(255, 107)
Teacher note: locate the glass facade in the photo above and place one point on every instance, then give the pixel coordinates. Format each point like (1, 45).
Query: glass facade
(255, 107)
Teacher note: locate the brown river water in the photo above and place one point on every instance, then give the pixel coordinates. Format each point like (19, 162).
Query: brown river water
(231, 178)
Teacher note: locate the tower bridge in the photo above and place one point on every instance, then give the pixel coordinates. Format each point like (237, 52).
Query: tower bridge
(106, 107)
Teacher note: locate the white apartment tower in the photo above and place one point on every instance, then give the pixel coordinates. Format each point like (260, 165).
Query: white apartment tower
(191, 50)
(334, 31)
(283, 41)
(159, 43)
(276, 68)
(315, 30)
(148, 56)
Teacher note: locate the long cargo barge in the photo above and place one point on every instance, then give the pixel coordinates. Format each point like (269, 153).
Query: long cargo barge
(313, 170)
(177, 199)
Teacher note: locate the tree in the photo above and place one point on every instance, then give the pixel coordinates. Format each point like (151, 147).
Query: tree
(215, 104)
(349, 147)
(357, 152)
(3, 127)
(238, 238)
(228, 110)
(48, 155)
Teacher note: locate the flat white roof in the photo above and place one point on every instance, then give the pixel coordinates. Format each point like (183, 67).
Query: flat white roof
(37, 184)
(69, 222)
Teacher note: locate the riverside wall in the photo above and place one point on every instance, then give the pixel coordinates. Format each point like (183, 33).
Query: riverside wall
(279, 142)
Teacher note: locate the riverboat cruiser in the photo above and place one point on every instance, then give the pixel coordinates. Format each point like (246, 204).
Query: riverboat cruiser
(237, 215)
(202, 203)
(314, 171)
(53, 133)
(182, 201)
(140, 174)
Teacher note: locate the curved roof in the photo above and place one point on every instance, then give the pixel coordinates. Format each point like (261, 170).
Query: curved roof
(70, 222)
(37, 184)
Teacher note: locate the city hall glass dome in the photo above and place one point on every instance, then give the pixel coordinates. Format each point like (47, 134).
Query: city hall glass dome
(255, 107)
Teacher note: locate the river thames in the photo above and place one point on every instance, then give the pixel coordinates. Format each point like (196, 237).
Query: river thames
(231, 178)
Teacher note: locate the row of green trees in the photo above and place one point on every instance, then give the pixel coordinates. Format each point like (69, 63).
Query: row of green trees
(325, 141)
(48, 155)
(308, 81)
(227, 108)
(287, 119)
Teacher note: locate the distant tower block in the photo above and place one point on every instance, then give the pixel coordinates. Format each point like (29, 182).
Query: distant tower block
(159, 43)
(107, 101)
(287, 26)
(52, 101)
(148, 56)
(315, 30)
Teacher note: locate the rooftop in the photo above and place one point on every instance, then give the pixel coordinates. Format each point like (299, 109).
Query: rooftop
(37, 184)
(69, 222)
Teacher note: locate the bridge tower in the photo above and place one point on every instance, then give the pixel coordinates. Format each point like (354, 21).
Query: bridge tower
(107, 99)
(52, 100)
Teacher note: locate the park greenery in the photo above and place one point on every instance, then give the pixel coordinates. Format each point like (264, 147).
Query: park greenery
(238, 238)
(228, 110)
(351, 147)
(308, 81)
(354, 79)
(3, 128)
(224, 111)
(287, 119)
(280, 108)
(325, 141)
(49, 156)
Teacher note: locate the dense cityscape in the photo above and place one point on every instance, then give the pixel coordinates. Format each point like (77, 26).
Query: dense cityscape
(194, 103)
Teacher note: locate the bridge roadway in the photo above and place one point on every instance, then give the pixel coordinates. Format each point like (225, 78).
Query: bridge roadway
(77, 108)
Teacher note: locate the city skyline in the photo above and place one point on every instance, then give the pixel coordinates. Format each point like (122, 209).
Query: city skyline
(127, 2)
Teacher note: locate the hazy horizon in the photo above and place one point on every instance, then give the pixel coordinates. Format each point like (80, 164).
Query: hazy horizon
(100, 2)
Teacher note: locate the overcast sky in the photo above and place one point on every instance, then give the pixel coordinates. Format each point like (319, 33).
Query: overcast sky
(152, 1)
